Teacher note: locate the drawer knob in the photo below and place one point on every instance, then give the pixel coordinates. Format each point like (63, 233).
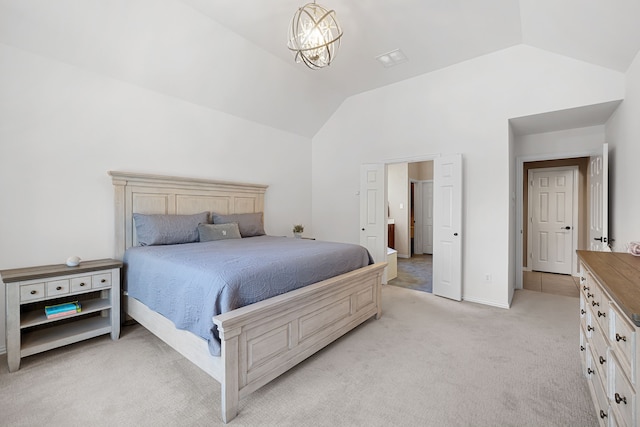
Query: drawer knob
(82, 284)
(590, 371)
(582, 311)
(595, 303)
(35, 292)
(590, 328)
(585, 288)
(589, 295)
(582, 279)
(103, 280)
(620, 399)
(602, 360)
(620, 337)
(601, 314)
(581, 348)
(603, 414)
(58, 288)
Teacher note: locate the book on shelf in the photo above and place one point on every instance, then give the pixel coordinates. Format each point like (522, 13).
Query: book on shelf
(61, 310)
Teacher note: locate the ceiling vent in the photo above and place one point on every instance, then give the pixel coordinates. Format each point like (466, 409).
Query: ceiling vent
(392, 58)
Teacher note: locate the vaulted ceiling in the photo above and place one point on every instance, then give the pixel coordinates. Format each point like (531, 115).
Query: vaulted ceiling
(232, 56)
(434, 34)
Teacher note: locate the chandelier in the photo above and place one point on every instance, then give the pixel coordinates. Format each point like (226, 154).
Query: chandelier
(314, 36)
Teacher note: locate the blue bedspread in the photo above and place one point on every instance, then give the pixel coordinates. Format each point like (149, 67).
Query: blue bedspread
(191, 283)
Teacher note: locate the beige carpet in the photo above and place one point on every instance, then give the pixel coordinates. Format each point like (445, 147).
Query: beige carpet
(428, 362)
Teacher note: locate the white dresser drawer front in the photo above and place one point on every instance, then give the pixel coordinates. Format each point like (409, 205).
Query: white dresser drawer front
(101, 280)
(79, 284)
(623, 340)
(623, 398)
(602, 403)
(57, 287)
(583, 348)
(32, 292)
(600, 355)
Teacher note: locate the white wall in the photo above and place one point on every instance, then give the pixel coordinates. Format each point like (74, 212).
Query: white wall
(623, 135)
(570, 141)
(461, 109)
(62, 128)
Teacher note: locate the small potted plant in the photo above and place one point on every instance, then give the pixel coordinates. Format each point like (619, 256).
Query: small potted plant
(297, 230)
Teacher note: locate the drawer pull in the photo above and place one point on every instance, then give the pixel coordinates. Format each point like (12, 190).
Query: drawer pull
(82, 284)
(581, 348)
(603, 414)
(585, 288)
(620, 337)
(590, 328)
(582, 311)
(594, 303)
(589, 295)
(590, 371)
(602, 360)
(58, 288)
(620, 399)
(103, 281)
(600, 314)
(34, 292)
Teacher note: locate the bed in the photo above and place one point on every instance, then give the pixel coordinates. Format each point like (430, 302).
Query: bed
(260, 341)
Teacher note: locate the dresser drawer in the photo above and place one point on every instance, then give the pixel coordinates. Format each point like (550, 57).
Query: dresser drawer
(623, 341)
(31, 292)
(79, 284)
(601, 401)
(623, 397)
(57, 287)
(600, 355)
(101, 280)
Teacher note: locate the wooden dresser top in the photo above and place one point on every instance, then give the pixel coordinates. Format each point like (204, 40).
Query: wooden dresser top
(44, 271)
(619, 274)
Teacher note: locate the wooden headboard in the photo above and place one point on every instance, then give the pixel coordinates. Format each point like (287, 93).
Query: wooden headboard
(157, 194)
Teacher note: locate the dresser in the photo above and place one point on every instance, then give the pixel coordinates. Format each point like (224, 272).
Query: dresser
(94, 284)
(609, 322)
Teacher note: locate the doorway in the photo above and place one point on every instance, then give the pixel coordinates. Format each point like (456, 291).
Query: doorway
(579, 208)
(410, 209)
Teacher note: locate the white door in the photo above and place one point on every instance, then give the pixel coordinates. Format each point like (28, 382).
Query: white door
(427, 217)
(372, 210)
(551, 219)
(598, 201)
(447, 226)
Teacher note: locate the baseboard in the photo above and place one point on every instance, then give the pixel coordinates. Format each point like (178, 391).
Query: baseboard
(485, 302)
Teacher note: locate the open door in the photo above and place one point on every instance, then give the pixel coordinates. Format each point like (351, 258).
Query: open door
(599, 201)
(447, 226)
(373, 221)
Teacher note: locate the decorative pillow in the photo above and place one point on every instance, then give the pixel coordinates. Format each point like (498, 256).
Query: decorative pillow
(168, 229)
(250, 224)
(211, 232)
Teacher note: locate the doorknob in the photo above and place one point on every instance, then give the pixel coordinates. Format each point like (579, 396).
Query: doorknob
(600, 239)
(455, 234)
(565, 228)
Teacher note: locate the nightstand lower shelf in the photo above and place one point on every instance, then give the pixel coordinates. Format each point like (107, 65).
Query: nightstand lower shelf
(56, 336)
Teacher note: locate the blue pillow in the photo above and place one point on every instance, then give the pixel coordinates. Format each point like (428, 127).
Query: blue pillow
(168, 229)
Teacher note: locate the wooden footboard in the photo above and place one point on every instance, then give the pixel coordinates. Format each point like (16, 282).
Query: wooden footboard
(264, 340)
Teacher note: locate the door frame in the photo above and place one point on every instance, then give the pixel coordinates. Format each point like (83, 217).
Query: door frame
(574, 219)
(520, 161)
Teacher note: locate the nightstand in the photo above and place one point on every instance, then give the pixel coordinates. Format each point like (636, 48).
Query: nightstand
(95, 284)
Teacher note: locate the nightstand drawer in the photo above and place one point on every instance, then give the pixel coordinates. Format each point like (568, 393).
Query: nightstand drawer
(32, 292)
(57, 287)
(79, 284)
(101, 280)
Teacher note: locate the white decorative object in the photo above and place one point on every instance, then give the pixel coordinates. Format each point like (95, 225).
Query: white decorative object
(314, 36)
(634, 248)
(73, 261)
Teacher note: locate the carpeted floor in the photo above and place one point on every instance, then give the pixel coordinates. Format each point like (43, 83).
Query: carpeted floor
(415, 273)
(427, 361)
